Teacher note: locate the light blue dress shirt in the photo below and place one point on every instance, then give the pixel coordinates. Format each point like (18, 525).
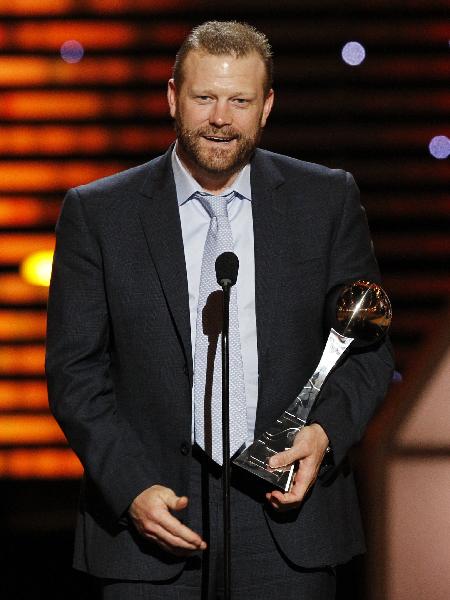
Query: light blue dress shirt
(194, 225)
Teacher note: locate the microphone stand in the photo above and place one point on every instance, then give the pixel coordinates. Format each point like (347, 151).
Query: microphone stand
(226, 287)
(227, 266)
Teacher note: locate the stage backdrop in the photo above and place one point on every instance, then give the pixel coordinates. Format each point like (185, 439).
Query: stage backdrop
(359, 85)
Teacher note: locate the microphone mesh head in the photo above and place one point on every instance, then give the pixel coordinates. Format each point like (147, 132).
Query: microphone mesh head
(227, 267)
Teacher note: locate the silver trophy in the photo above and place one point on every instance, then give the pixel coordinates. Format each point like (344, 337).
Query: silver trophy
(360, 314)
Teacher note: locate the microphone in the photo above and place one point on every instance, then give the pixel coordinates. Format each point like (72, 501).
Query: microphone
(227, 267)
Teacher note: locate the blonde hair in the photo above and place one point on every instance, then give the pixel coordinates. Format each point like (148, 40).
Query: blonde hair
(225, 37)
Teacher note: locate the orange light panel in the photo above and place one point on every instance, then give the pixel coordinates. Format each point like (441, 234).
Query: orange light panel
(422, 246)
(32, 71)
(62, 105)
(14, 290)
(33, 7)
(38, 105)
(173, 35)
(22, 360)
(438, 286)
(16, 325)
(23, 395)
(29, 429)
(14, 247)
(90, 34)
(26, 211)
(66, 140)
(429, 67)
(29, 176)
(58, 463)
(106, 6)
(50, 35)
(20, 70)
(60, 7)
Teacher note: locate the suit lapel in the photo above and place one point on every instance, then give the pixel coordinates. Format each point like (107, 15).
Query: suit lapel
(160, 219)
(267, 220)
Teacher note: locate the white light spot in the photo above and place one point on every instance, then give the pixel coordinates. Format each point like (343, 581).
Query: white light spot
(353, 53)
(440, 146)
(72, 51)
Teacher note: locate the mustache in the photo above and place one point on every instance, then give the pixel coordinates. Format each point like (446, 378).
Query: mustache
(227, 132)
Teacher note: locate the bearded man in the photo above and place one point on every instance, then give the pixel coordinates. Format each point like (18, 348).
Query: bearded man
(133, 371)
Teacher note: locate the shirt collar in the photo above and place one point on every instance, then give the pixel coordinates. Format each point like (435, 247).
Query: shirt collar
(187, 186)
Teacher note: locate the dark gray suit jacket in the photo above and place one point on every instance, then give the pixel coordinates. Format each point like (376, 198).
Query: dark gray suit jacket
(119, 360)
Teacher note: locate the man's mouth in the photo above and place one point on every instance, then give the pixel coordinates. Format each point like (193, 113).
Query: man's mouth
(219, 139)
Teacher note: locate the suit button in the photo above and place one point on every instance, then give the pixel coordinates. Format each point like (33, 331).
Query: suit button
(185, 448)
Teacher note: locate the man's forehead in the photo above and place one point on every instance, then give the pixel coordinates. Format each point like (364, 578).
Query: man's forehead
(195, 56)
(206, 71)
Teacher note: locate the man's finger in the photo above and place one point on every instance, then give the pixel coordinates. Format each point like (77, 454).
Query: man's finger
(173, 541)
(298, 451)
(310, 440)
(278, 502)
(171, 549)
(298, 491)
(287, 497)
(282, 459)
(173, 526)
(303, 480)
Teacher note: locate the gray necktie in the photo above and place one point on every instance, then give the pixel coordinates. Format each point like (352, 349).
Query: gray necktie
(208, 360)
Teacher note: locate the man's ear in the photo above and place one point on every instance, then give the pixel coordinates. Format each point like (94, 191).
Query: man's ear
(172, 97)
(268, 103)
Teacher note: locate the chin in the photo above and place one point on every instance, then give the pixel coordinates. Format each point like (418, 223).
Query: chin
(220, 167)
(222, 161)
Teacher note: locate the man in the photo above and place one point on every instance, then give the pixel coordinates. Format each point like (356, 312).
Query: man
(126, 327)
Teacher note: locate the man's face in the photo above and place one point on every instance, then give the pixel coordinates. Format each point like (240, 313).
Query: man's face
(219, 112)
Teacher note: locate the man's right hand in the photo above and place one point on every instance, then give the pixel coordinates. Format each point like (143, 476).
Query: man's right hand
(152, 517)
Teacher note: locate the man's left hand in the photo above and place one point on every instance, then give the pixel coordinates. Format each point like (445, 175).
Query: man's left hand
(309, 448)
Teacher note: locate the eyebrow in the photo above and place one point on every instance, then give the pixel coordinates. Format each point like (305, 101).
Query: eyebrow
(208, 92)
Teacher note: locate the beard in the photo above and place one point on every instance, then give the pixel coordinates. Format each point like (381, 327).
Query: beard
(218, 160)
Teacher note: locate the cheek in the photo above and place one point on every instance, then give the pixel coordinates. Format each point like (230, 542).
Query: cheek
(193, 116)
(249, 126)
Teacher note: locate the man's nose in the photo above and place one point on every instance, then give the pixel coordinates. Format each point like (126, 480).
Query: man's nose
(220, 114)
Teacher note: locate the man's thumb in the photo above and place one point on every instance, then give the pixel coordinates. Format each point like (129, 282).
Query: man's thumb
(282, 459)
(177, 502)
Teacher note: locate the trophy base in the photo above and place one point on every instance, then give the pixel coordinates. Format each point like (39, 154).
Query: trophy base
(255, 459)
(278, 438)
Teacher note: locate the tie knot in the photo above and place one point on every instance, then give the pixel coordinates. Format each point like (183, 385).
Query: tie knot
(215, 206)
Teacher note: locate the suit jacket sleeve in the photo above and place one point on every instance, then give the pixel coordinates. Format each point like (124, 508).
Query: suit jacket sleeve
(353, 391)
(81, 390)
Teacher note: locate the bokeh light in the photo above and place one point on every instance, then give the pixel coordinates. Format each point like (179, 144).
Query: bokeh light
(397, 377)
(72, 51)
(36, 268)
(440, 146)
(353, 53)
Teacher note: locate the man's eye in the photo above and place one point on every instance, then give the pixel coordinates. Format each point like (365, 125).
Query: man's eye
(241, 101)
(204, 98)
